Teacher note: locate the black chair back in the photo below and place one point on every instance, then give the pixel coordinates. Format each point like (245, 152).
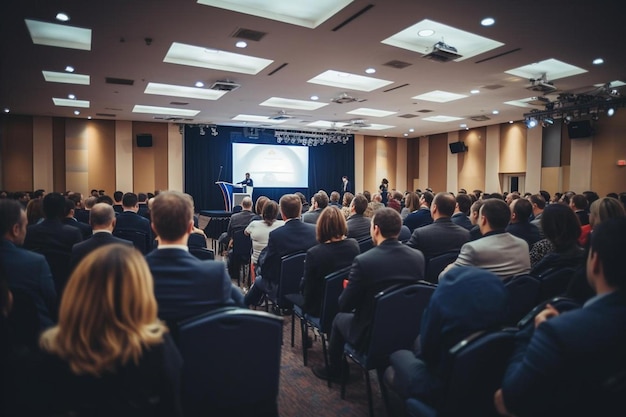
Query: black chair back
(554, 282)
(291, 272)
(365, 244)
(202, 253)
(560, 303)
(333, 286)
(436, 264)
(138, 239)
(220, 375)
(523, 291)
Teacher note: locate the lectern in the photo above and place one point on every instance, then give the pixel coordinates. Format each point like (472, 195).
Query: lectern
(227, 192)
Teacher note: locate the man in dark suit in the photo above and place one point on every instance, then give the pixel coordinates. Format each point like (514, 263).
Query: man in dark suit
(130, 221)
(520, 225)
(102, 219)
(358, 224)
(294, 236)
(237, 224)
(346, 186)
(572, 364)
(579, 204)
(117, 202)
(442, 235)
(421, 217)
(85, 229)
(370, 274)
(462, 211)
(142, 201)
(26, 271)
(320, 202)
(184, 286)
(53, 239)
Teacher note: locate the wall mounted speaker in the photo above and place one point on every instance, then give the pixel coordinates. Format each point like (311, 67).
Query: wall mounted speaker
(144, 140)
(457, 147)
(580, 129)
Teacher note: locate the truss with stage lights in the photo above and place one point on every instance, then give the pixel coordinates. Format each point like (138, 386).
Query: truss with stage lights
(311, 138)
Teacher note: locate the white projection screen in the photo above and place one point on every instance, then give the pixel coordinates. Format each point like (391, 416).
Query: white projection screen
(271, 166)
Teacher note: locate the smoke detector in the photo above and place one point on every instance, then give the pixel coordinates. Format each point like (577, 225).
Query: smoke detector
(343, 99)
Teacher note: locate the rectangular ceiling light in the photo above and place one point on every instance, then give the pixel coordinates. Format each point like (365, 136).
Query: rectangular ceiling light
(350, 81)
(287, 103)
(183, 91)
(363, 111)
(198, 56)
(439, 96)
(307, 13)
(65, 77)
(139, 108)
(326, 124)
(66, 102)
(442, 119)
(253, 118)
(552, 68)
(375, 126)
(524, 102)
(62, 36)
(422, 36)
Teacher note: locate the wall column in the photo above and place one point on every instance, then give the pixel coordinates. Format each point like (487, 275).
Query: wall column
(42, 154)
(174, 158)
(423, 168)
(580, 165)
(533, 160)
(492, 158)
(452, 179)
(401, 165)
(124, 156)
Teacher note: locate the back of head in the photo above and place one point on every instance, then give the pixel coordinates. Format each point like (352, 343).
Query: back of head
(494, 195)
(54, 206)
(321, 198)
(388, 221)
(561, 226)
(117, 196)
(104, 199)
(496, 212)
(603, 209)
(10, 214)
(591, 196)
(101, 215)
(130, 200)
(334, 197)
(142, 197)
(108, 313)
(538, 200)
(347, 199)
(545, 195)
(476, 205)
(360, 203)
(34, 210)
(69, 206)
(260, 203)
(171, 214)
(246, 203)
(270, 211)
(290, 206)
(608, 241)
(523, 209)
(367, 195)
(579, 201)
(428, 197)
(445, 203)
(465, 202)
(90, 201)
(330, 224)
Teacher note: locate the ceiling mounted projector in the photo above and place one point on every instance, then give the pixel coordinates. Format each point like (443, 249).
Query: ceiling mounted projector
(442, 53)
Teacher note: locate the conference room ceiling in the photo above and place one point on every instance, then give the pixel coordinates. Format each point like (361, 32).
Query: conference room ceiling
(131, 59)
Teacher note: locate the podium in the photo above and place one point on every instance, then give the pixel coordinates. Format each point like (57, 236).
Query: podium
(231, 199)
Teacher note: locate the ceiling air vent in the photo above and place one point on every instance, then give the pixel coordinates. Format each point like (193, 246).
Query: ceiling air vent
(425, 111)
(178, 103)
(249, 34)
(397, 64)
(119, 81)
(408, 116)
(224, 86)
(481, 118)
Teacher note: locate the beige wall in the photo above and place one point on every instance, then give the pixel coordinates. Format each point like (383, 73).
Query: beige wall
(150, 164)
(437, 162)
(380, 156)
(609, 146)
(472, 164)
(17, 154)
(413, 163)
(513, 148)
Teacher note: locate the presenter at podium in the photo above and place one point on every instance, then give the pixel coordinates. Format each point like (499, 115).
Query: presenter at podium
(247, 184)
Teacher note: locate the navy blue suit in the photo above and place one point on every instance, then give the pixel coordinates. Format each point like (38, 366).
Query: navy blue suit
(438, 237)
(418, 218)
(130, 221)
(185, 286)
(462, 220)
(82, 249)
(525, 230)
(85, 229)
(29, 272)
(561, 369)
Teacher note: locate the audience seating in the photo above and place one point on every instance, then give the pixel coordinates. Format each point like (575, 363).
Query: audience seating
(554, 282)
(397, 318)
(231, 363)
(291, 272)
(138, 239)
(476, 368)
(202, 253)
(240, 257)
(436, 264)
(560, 303)
(365, 243)
(523, 291)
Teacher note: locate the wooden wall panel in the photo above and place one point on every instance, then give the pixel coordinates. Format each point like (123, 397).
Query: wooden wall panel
(472, 163)
(17, 153)
(437, 163)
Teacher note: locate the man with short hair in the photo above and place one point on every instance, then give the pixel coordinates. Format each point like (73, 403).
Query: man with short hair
(497, 251)
(358, 224)
(102, 220)
(334, 199)
(117, 201)
(320, 202)
(462, 211)
(85, 229)
(520, 225)
(579, 204)
(442, 235)
(130, 221)
(538, 205)
(572, 363)
(293, 236)
(421, 217)
(346, 187)
(26, 271)
(370, 273)
(184, 286)
(474, 213)
(238, 223)
(82, 215)
(142, 201)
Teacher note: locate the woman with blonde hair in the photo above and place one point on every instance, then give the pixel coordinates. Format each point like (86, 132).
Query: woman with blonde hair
(332, 253)
(109, 354)
(345, 203)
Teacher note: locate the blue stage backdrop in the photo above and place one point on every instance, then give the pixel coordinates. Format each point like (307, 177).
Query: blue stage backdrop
(209, 158)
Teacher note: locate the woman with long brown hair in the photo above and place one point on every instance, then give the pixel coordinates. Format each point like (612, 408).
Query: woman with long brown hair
(109, 354)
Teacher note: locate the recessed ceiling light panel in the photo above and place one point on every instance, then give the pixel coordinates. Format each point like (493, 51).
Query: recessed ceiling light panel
(350, 81)
(288, 103)
(70, 103)
(258, 119)
(183, 91)
(442, 119)
(363, 111)
(63, 77)
(63, 36)
(197, 56)
(439, 96)
(552, 68)
(168, 111)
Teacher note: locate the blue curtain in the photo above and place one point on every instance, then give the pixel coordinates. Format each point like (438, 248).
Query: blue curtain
(208, 159)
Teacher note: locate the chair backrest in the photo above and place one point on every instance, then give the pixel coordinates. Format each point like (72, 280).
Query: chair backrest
(477, 366)
(365, 243)
(397, 318)
(242, 246)
(333, 286)
(436, 264)
(202, 253)
(523, 291)
(554, 282)
(291, 272)
(560, 303)
(231, 362)
(138, 239)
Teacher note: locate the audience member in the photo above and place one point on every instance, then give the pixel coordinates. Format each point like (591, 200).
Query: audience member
(383, 191)
(184, 286)
(358, 224)
(85, 229)
(466, 300)
(442, 235)
(567, 362)
(345, 204)
(520, 226)
(142, 203)
(117, 201)
(259, 230)
(370, 274)
(320, 202)
(332, 253)
(103, 198)
(258, 207)
(375, 204)
(293, 236)
(130, 221)
(411, 204)
(334, 199)
(394, 201)
(497, 251)
(109, 354)
(34, 211)
(305, 203)
(462, 211)
(102, 220)
(83, 214)
(474, 213)
(238, 223)
(578, 204)
(538, 205)
(421, 217)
